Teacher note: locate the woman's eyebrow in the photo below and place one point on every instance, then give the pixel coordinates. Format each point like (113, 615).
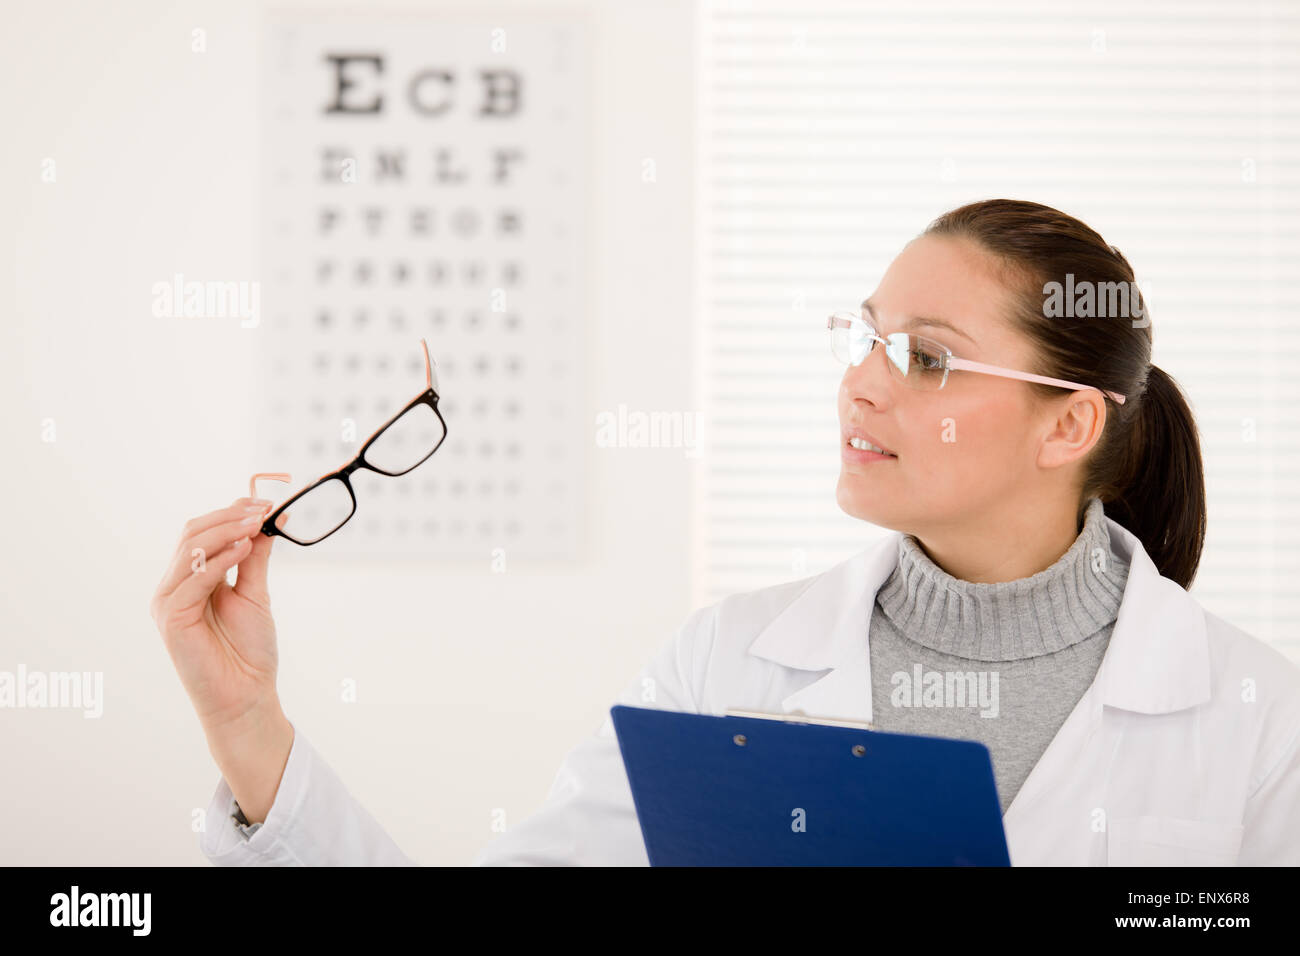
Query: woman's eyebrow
(938, 323)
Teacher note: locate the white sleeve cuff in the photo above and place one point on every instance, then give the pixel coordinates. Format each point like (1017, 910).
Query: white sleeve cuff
(226, 842)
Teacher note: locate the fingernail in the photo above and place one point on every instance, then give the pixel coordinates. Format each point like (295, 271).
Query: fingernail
(250, 521)
(251, 508)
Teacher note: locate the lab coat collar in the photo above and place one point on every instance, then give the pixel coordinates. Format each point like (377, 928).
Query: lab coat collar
(1157, 660)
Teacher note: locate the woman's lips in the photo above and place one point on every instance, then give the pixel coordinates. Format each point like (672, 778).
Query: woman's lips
(879, 452)
(860, 456)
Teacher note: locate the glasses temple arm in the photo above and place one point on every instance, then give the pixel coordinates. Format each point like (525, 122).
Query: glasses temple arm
(273, 475)
(429, 377)
(970, 366)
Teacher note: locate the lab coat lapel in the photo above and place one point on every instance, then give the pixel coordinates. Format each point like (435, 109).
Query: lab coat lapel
(825, 627)
(1157, 661)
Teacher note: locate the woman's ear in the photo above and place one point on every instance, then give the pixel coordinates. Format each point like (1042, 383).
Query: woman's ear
(1073, 428)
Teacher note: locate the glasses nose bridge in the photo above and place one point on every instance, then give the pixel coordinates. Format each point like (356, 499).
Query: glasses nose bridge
(878, 339)
(867, 388)
(875, 338)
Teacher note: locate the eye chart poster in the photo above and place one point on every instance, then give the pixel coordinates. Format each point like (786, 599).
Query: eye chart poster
(425, 178)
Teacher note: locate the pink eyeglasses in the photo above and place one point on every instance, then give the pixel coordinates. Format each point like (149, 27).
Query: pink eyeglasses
(920, 362)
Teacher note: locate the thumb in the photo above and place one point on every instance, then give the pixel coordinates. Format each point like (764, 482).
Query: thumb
(250, 579)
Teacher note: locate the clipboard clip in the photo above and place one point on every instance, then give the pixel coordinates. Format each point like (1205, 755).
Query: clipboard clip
(801, 719)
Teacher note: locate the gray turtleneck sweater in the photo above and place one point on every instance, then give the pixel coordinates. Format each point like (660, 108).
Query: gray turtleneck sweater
(1003, 664)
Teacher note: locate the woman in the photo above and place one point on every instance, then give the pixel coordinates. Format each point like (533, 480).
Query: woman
(1046, 483)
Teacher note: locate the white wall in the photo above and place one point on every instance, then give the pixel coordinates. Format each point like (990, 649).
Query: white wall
(472, 685)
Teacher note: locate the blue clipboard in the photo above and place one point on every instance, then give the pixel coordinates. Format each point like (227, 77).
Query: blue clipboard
(747, 791)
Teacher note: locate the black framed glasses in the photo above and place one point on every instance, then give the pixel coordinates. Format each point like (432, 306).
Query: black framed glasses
(404, 442)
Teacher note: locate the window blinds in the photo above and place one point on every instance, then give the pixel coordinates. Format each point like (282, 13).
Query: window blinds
(829, 134)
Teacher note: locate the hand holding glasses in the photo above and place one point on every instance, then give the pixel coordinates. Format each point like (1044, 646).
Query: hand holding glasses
(920, 362)
(402, 443)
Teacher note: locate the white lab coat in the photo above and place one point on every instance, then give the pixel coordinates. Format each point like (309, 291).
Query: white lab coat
(1185, 749)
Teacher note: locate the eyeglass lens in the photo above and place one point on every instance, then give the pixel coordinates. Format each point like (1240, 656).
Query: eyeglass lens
(407, 441)
(403, 444)
(916, 360)
(318, 513)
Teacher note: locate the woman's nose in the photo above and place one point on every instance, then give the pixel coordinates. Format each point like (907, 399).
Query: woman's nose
(869, 380)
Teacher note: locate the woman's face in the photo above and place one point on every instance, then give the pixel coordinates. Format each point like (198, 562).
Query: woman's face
(968, 448)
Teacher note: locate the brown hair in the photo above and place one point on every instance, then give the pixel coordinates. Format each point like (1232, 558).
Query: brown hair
(1146, 467)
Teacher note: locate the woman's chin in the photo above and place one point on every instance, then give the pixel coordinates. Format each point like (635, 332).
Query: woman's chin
(858, 502)
(867, 505)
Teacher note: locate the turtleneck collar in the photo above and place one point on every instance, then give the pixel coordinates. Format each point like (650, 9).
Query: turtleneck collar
(1068, 602)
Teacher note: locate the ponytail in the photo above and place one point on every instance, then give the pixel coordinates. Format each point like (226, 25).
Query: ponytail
(1146, 467)
(1157, 487)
